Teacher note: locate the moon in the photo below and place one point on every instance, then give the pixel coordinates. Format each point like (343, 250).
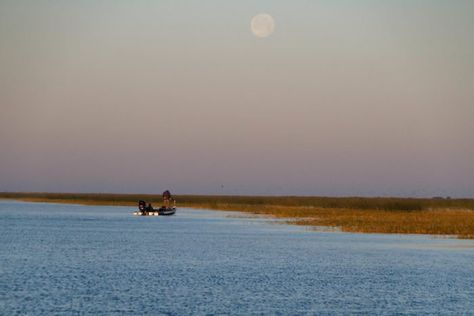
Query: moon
(262, 25)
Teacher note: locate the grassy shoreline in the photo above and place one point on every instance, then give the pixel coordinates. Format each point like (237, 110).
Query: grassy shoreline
(349, 214)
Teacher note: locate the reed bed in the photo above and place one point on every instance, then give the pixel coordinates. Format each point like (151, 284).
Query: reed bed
(349, 214)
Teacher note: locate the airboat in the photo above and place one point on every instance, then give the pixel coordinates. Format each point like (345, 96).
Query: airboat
(144, 210)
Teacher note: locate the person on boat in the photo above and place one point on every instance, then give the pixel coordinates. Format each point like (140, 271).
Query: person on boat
(149, 207)
(142, 206)
(167, 199)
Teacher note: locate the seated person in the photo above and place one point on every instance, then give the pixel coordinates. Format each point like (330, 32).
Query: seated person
(142, 206)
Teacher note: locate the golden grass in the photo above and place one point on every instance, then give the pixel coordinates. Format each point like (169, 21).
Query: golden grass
(457, 222)
(354, 214)
(440, 222)
(79, 201)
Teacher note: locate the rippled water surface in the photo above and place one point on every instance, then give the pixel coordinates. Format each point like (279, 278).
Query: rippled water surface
(68, 259)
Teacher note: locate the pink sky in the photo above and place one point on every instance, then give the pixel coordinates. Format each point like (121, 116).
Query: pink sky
(373, 98)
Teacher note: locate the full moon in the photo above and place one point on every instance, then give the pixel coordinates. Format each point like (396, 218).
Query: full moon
(262, 25)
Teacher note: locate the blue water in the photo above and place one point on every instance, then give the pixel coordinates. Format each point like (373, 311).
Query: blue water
(67, 259)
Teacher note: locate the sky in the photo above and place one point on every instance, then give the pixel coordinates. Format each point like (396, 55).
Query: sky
(345, 98)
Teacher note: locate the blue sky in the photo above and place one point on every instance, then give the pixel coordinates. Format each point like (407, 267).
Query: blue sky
(344, 98)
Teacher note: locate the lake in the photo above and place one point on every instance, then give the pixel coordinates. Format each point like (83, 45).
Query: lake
(70, 259)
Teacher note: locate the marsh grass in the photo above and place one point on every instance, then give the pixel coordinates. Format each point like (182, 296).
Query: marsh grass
(349, 214)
